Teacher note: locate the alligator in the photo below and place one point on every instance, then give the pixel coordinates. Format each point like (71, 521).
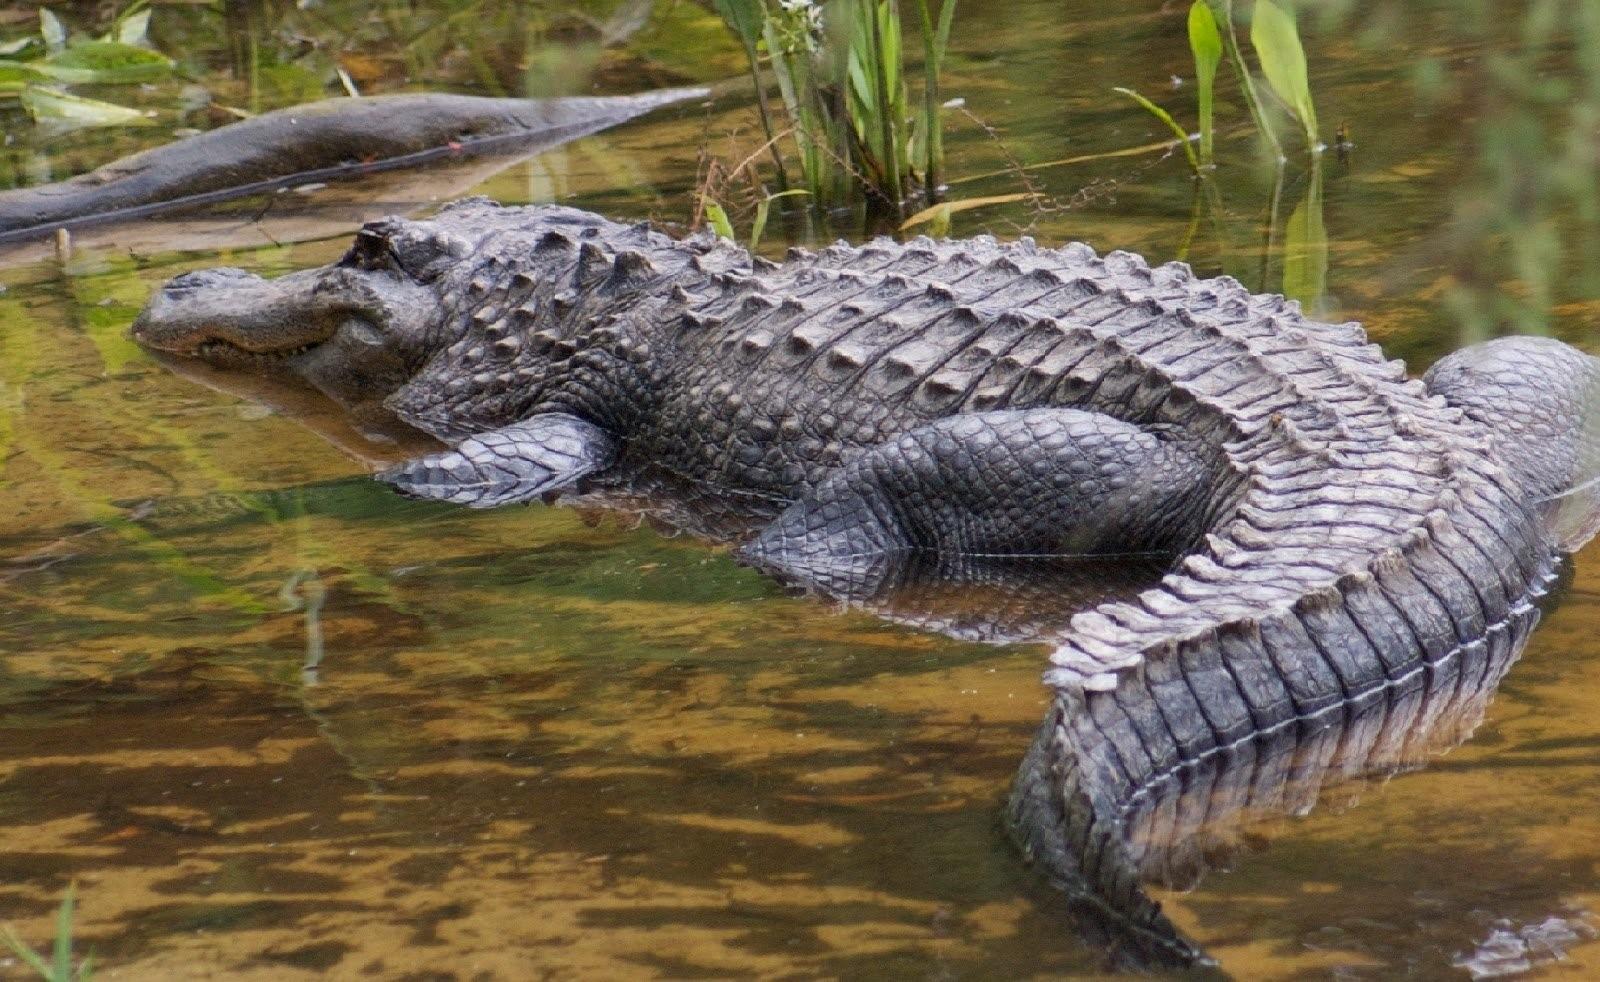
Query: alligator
(1334, 533)
(312, 143)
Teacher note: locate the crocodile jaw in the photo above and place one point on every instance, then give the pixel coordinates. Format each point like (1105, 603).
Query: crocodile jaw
(351, 333)
(231, 318)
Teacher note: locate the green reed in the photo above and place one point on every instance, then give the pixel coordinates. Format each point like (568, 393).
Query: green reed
(854, 130)
(59, 968)
(1275, 38)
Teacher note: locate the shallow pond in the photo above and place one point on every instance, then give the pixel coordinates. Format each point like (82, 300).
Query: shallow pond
(545, 741)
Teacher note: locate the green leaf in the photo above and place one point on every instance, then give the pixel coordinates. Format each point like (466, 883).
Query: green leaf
(1283, 61)
(52, 30)
(1165, 117)
(16, 75)
(746, 17)
(66, 111)
(106, 62)
(719, 220)
(1206, 43)
(760, 224)
(15, 47)
(21, 950)
(134, 28)
(63, 945)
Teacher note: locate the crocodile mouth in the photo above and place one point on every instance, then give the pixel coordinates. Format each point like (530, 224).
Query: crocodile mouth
(224, 353)
(228, 317)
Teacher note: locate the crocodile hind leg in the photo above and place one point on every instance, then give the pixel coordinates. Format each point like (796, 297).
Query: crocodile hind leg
(1014, 482)
(536, 457)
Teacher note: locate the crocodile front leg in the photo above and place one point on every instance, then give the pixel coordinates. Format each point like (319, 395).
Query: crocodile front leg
(1053, 482)
(539, 456)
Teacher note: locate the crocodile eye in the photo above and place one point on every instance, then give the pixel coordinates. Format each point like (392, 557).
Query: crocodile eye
(415, 250)
(371, 249)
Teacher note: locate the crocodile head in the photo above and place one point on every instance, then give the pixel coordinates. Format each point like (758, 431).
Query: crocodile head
(357, 329)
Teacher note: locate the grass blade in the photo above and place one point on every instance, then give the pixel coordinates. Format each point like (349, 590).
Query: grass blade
(934, 42)
(1166, 117)
(762, 210)
(747, 19)
(63, 945)
(21, 950)
(1206, 43)
(941, 212)
(1283, 61)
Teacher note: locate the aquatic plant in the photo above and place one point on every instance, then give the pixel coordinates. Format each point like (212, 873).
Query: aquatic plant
(1275, 37)
(840, 69)
(120, 56)
(59, 968)
(717, 216)
(1205, 41)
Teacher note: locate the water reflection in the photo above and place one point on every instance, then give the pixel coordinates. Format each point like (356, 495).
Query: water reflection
(1103, 834)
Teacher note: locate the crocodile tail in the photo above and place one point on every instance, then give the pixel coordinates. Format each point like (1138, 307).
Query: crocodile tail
(1064, 815)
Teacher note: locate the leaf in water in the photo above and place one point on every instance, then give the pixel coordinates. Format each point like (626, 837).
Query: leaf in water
(52, 30)
(943, 211)
(65, 111)
(1305, 249)
(764, 208)
(106, 62)
(1165, 117)
(1206, 43)
(15, 76)
(1277, 42)
(134, 28)
(10, 48)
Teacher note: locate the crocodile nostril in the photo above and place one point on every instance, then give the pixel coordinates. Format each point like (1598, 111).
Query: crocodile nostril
(204, 278)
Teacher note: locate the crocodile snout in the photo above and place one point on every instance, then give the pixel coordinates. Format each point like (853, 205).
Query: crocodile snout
(226, 314)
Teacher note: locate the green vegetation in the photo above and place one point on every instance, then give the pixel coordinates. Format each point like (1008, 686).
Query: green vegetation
(1206, 43)
(1276, 40)
(840, 68)
(122, 56)
(59, 968)
(717, 216)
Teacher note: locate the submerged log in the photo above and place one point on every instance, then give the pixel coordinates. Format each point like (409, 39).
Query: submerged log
(320, 141)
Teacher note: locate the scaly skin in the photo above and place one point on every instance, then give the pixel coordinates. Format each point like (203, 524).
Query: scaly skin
(1336, 530)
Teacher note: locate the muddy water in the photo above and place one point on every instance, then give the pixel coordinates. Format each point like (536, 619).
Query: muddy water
(278, 723)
